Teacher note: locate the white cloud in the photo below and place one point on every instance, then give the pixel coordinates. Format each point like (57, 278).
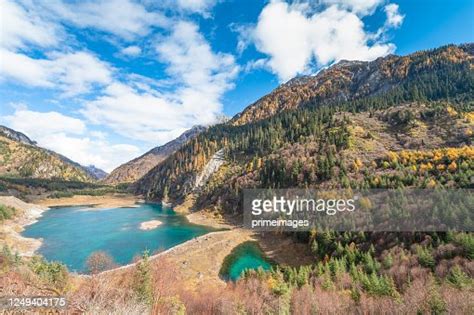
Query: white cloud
(131, 51)
(89, 150)
(34, 52)
(21, 27)
(200, 76)
(196, 6)
(295, 36)
(124, 18)
(360, 7)
(26, 25)
(73, 73)
(244, 35)
(38, 124)
(203, 73)
(24, 69)
(394, 18)
(69, 136)
(135, 115)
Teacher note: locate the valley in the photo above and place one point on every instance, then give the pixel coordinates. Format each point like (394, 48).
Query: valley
(394, 123)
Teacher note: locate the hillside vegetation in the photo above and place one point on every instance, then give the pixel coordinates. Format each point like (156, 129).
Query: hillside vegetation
(392, 123)
(18, 159)
(133, 170)
(426, 104)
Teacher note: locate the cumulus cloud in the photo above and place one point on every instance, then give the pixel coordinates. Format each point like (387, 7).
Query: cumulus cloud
(360, 7)
(38, 124)
(24, 28)
(296, 36)
(34, 51)
(131, 51)
(394, 18)
(69, 136)
(21, 27)
(196, 6)
(125, 18)
(135, 114)
(72, 73)
(200, 77)
(203, 74)
(89, 150)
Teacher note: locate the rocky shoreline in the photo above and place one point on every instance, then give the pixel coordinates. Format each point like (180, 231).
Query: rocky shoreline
(196, 266)
(10, 230)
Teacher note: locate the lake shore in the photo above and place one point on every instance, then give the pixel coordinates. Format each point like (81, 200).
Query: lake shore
(198, 261)
(29, 213)
(10, 230)
(96, 202)
(208, 219)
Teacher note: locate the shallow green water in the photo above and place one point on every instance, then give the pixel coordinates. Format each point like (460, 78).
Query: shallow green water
(71, 234)
(245, 256)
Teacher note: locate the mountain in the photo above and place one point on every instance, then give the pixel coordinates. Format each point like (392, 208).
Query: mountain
(349, 80)
(337, 128)
(15, 135)
(21, 157)
(136, 168)
(95, 172)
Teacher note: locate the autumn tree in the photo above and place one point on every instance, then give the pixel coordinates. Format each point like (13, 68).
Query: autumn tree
(99, 261)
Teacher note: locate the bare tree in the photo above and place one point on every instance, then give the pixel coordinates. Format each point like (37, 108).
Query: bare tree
(100, 261)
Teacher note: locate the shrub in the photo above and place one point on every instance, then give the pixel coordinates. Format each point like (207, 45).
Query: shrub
(425, 257)
(61, 194)
(436, 303)
(379, 285)
(143, 280)
(458, 278)
(466, 241)
(53, 273)
(99, 261)
(6, 212)
(7, 258)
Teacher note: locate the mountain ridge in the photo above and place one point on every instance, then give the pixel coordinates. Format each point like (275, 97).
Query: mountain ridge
(441, 81)
(16, 135)
(21, 156)
(134, 169)
(344, 81)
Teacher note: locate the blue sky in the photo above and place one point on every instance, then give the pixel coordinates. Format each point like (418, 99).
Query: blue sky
(102, 82)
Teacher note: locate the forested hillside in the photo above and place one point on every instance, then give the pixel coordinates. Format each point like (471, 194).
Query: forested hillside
(21, 157)
(136, 168)
(424, 102)
(392, 123)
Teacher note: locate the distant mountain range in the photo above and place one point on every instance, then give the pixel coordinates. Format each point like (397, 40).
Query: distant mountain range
(22, 157)
(136, 168)
(95, 172)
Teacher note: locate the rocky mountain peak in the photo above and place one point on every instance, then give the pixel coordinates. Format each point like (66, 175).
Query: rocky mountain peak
(16, 135)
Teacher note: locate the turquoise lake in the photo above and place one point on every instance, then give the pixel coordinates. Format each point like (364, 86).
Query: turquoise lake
(247, 255)
(71, 234)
